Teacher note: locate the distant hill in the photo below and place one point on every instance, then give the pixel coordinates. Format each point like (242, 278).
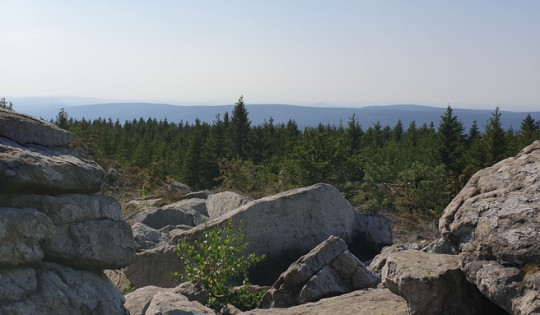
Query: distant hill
(304, 116)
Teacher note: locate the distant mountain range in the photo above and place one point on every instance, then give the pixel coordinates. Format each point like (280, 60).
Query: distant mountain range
(304, 116)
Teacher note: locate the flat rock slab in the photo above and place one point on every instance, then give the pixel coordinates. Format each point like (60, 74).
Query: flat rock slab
(26, 129)
(370, 301)
(70, 208)
(36, 169)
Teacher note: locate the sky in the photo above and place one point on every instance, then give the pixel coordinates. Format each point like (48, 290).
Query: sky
(467, 54)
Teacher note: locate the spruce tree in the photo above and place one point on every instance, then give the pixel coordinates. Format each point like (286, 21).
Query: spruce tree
(529, 131)
(240, 129)
(451, 142)
(494, 139)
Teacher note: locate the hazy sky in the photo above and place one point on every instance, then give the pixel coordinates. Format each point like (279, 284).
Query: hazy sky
(350, 53)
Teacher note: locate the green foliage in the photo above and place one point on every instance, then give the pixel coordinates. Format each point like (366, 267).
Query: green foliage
(217, 262)
(62, 119)
(5, 104)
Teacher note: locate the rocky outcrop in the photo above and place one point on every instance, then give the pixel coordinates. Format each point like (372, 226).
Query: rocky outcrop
(56, 236)
(433, 284)
(283, 227)
(55, 289)
(370, 301)
(225, 202)
(153, 300)
(146, 237)
(493, 223)
(327, 270)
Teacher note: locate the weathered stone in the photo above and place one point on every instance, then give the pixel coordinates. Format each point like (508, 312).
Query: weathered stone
(193, 291)
(225, 202)
(21, 232)
(95, 244)
(168, 302)
(154, 267)
(328, 270)
(138, 204)
(370, 301)
(36, 169)
(137, 302)
(433, 284)
(63, 290)
(70, 208)
(507, 287)
(370, 233)
(16, 282)
(203, 194)
(493, 223)
(146, 237)
(26, 129)
(379, 261)
(196, 204)
(157, 218)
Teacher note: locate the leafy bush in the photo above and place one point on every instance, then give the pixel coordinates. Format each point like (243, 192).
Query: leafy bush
(218, 264)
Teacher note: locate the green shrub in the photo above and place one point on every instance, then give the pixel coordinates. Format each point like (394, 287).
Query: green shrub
(218, 264)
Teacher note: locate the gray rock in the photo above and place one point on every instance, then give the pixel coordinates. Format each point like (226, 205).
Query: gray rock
(284, 227)
(154, 267)
(36, 169)
(63, 290)
(379, 261)
(170, 303)
(193, 291)
(328, 270)
(494, 220)
(94, 244)
(196, 204)
(70, 208)
(370, 301)
(146, 237)
(203, 194)
(21, 233)
(158, 218)
(371, 233)
(433, 284)
(26, 129)
(137, 302)
(16, 283)
(225, 202)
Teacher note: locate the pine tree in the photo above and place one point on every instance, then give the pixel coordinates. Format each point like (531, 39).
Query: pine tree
(451, 142)
(62, 119)
(494, 141)
(240, 129)
(529, 131)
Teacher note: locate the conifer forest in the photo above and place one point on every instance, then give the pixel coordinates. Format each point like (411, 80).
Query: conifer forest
(412, 170)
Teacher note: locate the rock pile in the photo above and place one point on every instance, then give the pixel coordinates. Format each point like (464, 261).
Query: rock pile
(55, 235)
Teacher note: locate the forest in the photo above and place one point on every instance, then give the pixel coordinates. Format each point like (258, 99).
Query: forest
(411, 170)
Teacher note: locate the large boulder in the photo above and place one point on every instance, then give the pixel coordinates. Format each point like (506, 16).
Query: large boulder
(56, 289)
(493, 223)
(283, 227)
(225, 202)
(327, 270)
(370, 301)
(26, 129)
(37, 169)
(433, 284)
